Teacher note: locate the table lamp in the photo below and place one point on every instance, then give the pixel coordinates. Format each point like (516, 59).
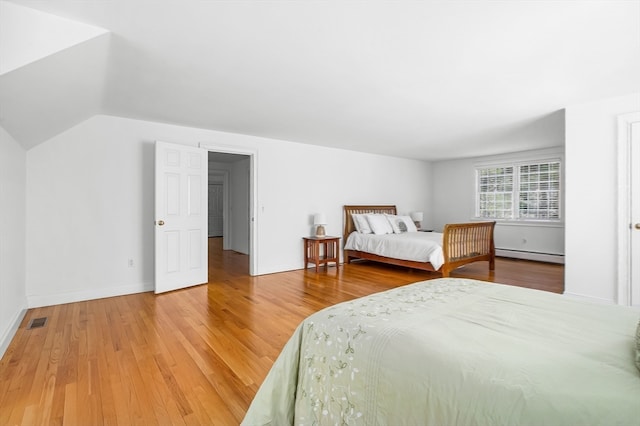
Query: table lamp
(416, 217)
(320, 220)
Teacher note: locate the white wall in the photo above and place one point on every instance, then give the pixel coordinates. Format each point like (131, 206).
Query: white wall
(591, 196)
(90, 202)
(454, 197)
(12, 237)
(239, 209)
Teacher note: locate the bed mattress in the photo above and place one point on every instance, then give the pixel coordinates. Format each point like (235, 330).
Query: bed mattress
(415, 246)
(456, 351)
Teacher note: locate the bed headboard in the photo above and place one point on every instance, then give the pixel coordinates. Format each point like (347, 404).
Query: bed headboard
(349, 227)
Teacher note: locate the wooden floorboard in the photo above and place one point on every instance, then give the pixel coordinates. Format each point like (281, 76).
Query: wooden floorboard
(193, 356)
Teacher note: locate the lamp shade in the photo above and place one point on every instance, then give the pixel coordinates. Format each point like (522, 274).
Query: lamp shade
(416, 216)
(319, 219)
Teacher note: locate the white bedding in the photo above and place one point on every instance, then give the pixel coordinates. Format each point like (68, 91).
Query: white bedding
(415, 246)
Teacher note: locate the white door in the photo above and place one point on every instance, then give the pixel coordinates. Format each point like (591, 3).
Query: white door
(215, 210)
(181, 217)
(635, 213)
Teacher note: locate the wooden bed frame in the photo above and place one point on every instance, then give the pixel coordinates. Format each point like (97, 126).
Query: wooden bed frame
(462, 243)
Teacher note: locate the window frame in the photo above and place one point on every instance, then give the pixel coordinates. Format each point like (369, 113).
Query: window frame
(515, 209)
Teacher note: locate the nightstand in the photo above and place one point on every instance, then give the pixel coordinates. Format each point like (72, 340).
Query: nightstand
(314, 254)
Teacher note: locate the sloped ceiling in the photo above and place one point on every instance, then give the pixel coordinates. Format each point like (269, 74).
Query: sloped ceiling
(52, 73)
(428, 80)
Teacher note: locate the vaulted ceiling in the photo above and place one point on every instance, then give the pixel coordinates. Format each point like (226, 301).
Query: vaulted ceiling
(429, 80)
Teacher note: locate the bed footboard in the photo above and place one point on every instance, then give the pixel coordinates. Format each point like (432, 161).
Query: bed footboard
(466, 243)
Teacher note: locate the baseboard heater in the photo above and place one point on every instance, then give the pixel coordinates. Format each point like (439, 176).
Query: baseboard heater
(530, 255)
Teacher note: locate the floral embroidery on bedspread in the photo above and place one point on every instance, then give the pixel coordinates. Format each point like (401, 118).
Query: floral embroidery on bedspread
(338, 341)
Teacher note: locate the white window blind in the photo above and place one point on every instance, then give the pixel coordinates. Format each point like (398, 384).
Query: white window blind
(495, 192)
(539, 195)
(519, 191)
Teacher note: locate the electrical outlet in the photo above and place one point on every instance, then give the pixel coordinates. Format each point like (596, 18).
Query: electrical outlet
(130, 263)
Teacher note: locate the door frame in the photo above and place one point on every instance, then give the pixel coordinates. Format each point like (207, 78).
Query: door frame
(253, 195)
(623, 296)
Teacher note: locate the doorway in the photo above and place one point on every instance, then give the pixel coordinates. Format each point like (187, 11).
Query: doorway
(629, 210)
(231, 199)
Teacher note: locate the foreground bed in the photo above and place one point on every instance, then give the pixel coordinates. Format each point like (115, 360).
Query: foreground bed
(456, 351)
(458, 245)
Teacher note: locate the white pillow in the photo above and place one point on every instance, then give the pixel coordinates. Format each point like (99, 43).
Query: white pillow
(379, 224)
(396, 223)
(401, 224)
(361, 223)
(411, 225)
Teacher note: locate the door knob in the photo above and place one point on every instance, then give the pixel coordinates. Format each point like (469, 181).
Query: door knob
(160, 222)
(637, 226)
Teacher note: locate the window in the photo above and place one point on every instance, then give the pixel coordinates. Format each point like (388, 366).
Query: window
(495, 192)
(519, 192)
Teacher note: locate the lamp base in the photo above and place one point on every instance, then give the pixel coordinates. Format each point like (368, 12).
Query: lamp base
(320, 231)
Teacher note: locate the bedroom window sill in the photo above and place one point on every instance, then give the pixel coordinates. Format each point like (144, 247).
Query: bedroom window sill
(528, 223)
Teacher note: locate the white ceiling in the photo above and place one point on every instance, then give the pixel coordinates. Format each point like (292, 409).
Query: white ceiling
(428, 80)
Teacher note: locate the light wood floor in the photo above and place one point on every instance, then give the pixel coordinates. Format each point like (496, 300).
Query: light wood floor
(194, 356)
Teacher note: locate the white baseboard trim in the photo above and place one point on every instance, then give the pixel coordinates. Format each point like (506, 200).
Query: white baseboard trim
(11, 331)
(41, 300)
(529, 255)
(584, 297)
